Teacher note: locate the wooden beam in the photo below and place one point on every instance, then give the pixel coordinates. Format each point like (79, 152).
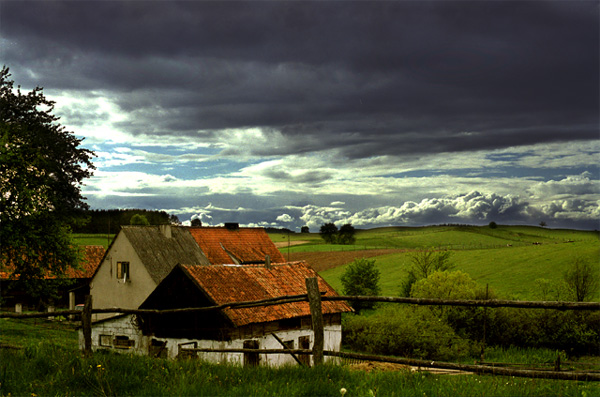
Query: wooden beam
(288, 349)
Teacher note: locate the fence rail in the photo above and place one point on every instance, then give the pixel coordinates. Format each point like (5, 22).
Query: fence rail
(315, 297)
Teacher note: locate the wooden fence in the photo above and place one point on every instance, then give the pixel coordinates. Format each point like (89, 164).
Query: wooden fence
(315, 298)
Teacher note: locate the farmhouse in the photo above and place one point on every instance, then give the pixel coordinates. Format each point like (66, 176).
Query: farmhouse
(267, 327)
(141, 256)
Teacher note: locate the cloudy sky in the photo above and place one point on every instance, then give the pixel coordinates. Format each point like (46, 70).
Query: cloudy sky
(273, 113)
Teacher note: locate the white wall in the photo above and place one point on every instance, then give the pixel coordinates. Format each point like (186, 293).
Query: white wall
(124, 326)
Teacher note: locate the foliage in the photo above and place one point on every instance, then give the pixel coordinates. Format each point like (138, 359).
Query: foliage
(41, 171)
(139, 220)
(346, 234)
(196, 222)
(406, 331)
(493, 225)
(361, 278)
(582, 280)
(423, 264)
(329, 232)
(304, 229)
(110, 221)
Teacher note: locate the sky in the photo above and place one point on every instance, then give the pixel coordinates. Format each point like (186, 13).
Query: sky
(289, 114)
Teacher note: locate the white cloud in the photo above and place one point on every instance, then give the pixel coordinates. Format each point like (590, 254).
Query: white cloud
(285, 218)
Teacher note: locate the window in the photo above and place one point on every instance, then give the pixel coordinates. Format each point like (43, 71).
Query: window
(123, 342)
(123, 271)
(105, 340)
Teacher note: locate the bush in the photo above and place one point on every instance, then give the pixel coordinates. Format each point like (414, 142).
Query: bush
(407, 331)
(423, 264)
(361, 278)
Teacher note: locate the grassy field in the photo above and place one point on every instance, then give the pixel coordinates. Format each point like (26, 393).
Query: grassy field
(93, 239)
(509, 258)
(49, 364)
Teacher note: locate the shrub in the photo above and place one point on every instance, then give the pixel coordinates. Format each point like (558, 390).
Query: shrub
(423, 264)
(361, 278)
(408, 331)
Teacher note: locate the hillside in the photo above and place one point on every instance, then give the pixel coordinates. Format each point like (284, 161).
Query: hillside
(509, 258)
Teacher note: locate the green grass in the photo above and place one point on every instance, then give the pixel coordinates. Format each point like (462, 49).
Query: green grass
(505, 258)
(47, 369)
(93, 239)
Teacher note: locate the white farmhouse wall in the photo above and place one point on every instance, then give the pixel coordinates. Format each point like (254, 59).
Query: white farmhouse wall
(107, 291)
(125, 327)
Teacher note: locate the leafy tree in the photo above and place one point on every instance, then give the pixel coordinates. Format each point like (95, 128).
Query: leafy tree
(493, 225)
(346, 234)
(196, 222)
(423, 264)
(138, 219)
(329, 233)
(304, 229)
(361, 278)
(543, 224)
(41, 172)
(582, 280)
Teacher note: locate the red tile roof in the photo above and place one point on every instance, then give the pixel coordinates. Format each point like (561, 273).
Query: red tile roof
(226, 284)
(223, 246)
(92, 256)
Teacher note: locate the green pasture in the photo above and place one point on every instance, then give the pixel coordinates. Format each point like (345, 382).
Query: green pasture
(93, 239)
(505, 258)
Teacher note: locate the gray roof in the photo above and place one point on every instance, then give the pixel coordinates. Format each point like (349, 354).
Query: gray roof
(159, 253)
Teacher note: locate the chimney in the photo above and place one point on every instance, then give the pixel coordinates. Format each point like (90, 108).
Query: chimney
(166, 230)
(268, 262)
(232, 226)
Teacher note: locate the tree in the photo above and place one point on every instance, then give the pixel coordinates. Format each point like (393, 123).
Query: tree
(329, 233)
(346, 234)
(543, 224)
(582, 280)
(41, 171)
(138, 219)
(361, 278)
(493, 225)
(196, 222)
(423, 264)
(304, 229)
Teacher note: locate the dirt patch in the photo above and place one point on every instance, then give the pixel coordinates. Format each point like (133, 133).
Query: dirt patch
(285, 243)
(328, 260)
(379, 366)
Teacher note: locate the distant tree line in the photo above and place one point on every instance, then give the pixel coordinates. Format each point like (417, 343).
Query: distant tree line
(110, 221)
(345, 235)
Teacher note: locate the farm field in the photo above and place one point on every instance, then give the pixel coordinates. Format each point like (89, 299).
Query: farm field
(509, 258)
(48, 363)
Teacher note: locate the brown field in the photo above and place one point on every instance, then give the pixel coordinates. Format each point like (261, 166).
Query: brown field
(326, 260)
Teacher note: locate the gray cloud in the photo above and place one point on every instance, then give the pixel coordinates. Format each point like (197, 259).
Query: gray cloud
(372, 78)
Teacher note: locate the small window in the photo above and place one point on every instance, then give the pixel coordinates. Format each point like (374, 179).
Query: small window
(123, 342)
(105, 340)
(123, 271)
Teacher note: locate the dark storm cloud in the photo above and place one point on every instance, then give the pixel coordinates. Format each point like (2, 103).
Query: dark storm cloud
(368, 78)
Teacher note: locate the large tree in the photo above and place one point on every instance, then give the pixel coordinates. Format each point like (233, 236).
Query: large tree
(41, 172)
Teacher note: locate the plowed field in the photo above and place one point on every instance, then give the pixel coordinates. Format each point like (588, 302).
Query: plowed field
(326, 260)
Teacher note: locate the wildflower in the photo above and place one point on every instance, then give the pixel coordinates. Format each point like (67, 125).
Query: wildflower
(343, 391)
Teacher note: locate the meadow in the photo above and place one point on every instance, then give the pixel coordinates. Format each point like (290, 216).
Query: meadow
(508, 258)
(47, 362)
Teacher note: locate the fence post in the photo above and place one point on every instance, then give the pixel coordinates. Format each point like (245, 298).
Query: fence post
(86, 325)
(314, 300)
(71, 304)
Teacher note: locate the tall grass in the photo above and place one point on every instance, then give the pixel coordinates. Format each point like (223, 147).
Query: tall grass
(50, 370)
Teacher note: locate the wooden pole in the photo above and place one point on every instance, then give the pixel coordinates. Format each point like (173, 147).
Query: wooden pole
(278, 339)
(86, 325)
(314, 300)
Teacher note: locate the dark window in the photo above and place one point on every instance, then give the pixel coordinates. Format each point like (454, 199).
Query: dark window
(123, 342)
(251, 359)
(123, 271)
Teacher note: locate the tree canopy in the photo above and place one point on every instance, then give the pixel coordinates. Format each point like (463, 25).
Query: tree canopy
(361, 278)
(41, 172)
